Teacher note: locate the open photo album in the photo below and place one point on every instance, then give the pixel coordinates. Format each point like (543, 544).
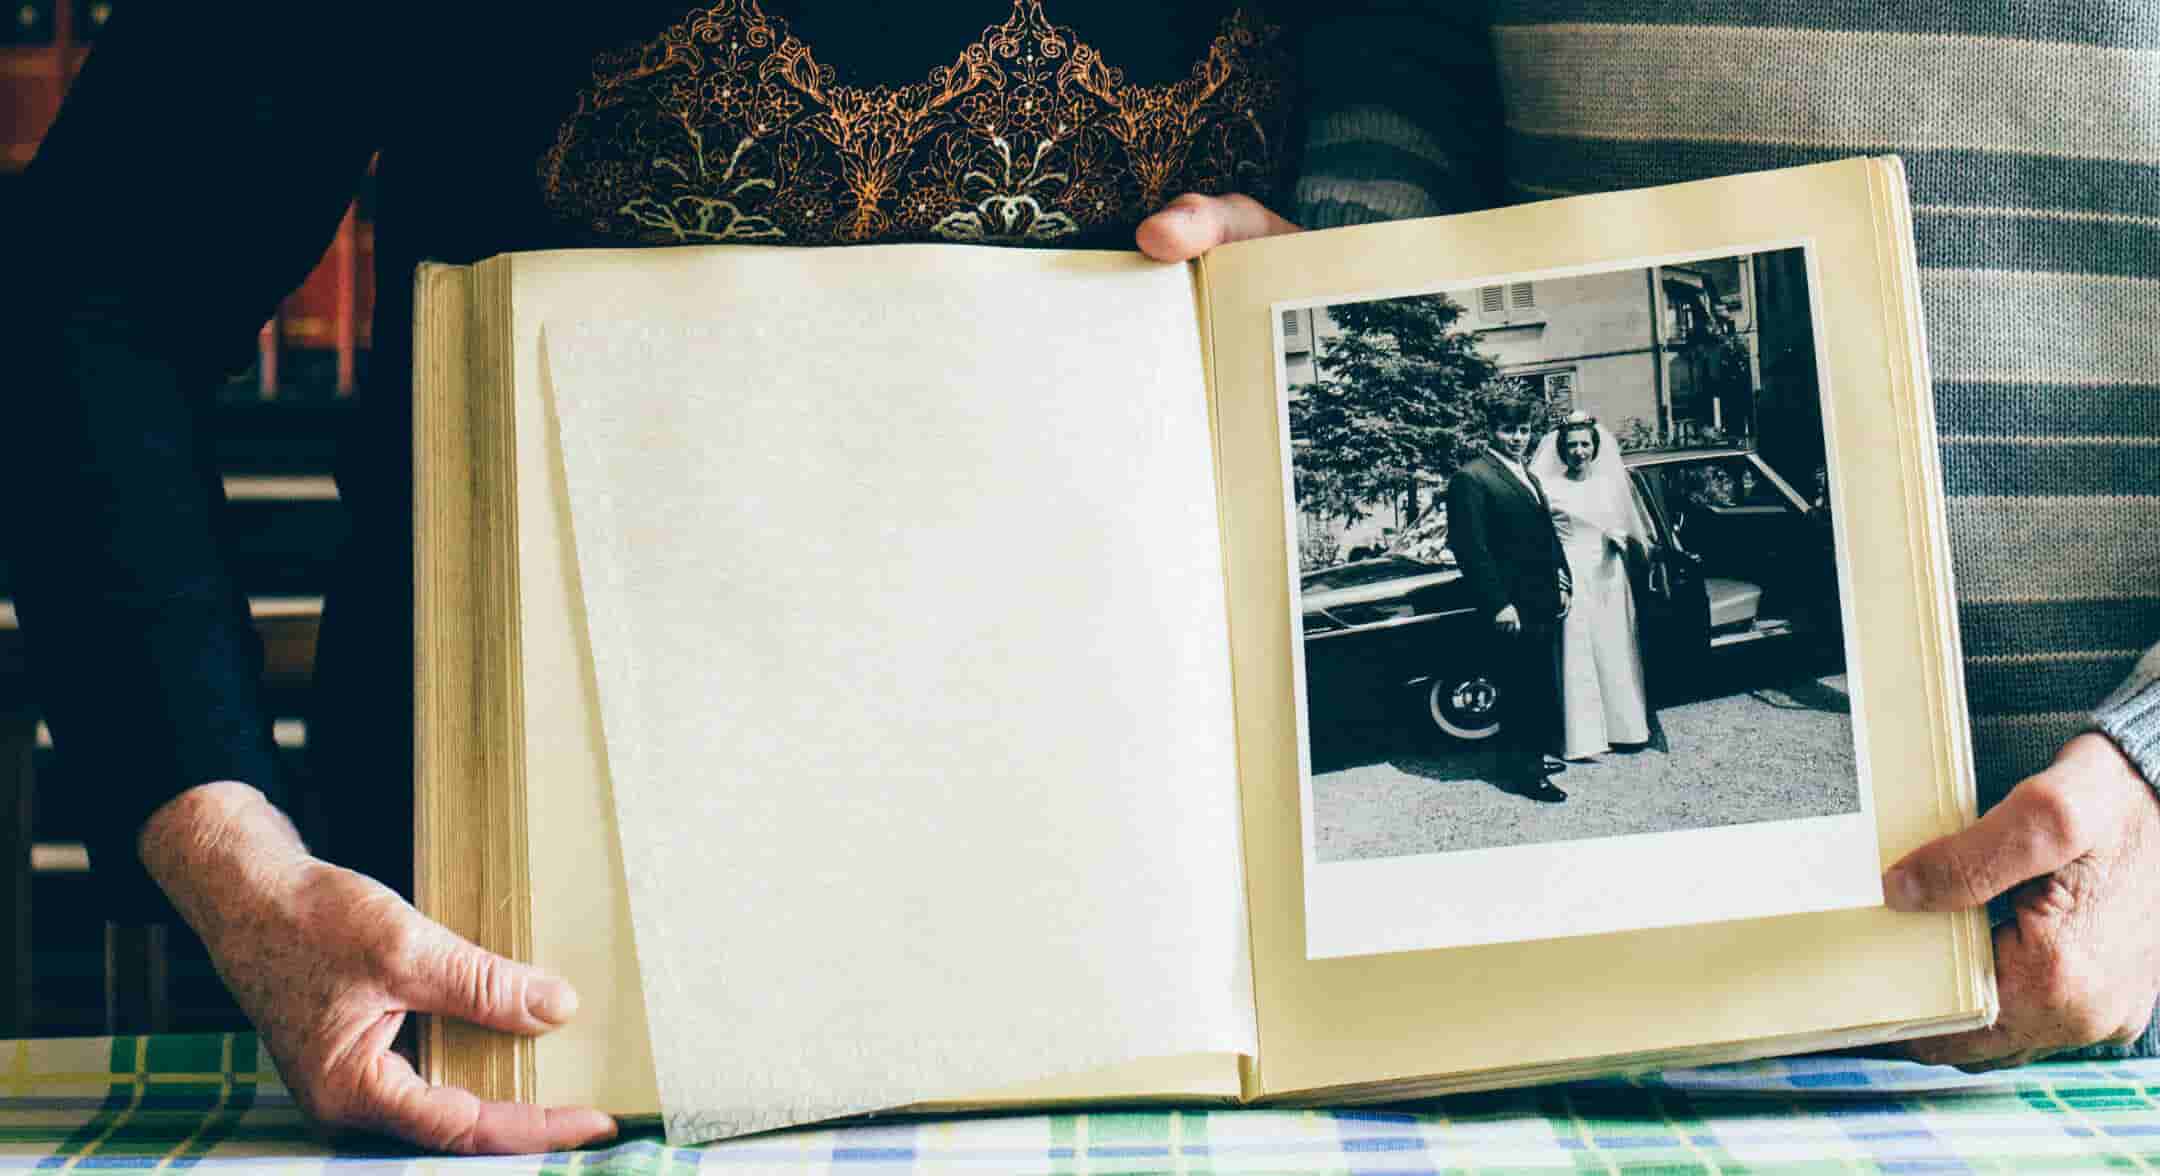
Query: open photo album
(1358, 665)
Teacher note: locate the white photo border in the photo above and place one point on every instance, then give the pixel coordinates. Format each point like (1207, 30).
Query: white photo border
(1602, 885)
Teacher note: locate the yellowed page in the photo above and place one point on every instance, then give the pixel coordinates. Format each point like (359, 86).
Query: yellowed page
(1381, 1018)
(580, 922)
(581, 918)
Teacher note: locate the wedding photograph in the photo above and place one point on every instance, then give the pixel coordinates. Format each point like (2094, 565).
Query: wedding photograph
(1566, 566)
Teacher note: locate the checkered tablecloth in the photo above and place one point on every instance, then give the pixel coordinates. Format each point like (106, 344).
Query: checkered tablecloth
(214, 1102)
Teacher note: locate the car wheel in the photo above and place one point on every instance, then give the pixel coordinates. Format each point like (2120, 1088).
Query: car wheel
(1466, 708)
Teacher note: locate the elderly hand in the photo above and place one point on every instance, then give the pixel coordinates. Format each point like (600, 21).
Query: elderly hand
(327, 963)
(1192, 224)
(2078, 845)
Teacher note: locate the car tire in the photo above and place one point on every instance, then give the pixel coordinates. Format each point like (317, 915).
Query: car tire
(1464, 708)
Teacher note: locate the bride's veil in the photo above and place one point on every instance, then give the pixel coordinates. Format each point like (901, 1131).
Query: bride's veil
(1610, 503)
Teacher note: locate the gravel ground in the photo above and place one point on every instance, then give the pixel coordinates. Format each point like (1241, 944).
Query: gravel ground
(1778, 746)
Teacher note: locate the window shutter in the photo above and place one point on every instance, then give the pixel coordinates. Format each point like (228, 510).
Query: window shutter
(1521, 296)
(1491, 300)
(1289, 324)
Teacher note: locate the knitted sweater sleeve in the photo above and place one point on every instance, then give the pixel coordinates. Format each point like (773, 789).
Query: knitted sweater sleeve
(2131, 716)
(1402, 113)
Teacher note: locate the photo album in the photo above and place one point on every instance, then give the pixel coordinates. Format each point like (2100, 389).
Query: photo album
(1359, 665)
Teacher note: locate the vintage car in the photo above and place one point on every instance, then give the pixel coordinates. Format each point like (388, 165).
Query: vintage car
(1737, 555)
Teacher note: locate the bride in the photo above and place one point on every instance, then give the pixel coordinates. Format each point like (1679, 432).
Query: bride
(1595, 514)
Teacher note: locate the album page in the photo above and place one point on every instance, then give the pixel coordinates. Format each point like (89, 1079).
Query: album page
(908, 638)
(1594, 643)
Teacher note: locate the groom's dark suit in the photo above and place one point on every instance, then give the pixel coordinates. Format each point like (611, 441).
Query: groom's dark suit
(1502, 535)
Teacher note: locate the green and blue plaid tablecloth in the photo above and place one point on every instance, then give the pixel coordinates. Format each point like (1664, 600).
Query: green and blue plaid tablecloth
(214, 1102)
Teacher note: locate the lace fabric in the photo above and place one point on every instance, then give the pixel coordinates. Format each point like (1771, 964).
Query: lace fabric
(727, 128)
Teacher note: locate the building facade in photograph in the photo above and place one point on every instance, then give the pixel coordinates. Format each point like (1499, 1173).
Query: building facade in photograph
(1711, 352)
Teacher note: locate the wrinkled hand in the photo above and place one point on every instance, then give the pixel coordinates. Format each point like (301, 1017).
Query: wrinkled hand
(327, 963)
(1507, 620)
(2078, 845)
(1567, 602)
(1192, 224)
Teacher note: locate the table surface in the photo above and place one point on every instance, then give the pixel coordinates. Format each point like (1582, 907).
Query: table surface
(214, 1102)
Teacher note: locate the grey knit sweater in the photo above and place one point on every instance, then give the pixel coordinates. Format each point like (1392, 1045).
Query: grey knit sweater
(2031, 133)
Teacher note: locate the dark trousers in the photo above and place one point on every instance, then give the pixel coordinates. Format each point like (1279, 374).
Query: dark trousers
(1528, 665)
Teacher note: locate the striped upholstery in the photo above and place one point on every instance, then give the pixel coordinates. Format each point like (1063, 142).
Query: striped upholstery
(2031, 133)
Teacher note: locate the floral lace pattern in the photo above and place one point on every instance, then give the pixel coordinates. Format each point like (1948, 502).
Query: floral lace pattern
(726, 128)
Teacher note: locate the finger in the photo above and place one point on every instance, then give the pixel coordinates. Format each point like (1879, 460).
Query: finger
(1976, 1051)
(398, 1102)
(2037, 829)
(2058, 988)
(1193, 224)
(2054, 998)
(444, 973)
(2007, 1040)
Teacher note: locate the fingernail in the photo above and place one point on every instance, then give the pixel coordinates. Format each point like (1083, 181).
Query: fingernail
(551, 1001)
(1901, 890)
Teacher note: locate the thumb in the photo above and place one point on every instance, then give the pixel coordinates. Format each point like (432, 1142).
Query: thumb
(1192, 224)
(2036, 830)
(445, 973)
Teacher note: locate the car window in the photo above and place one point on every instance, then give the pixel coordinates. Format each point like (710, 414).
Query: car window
(1651, 491)
(1727, 486)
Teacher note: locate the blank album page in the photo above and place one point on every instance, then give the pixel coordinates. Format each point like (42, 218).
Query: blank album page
(905, 602)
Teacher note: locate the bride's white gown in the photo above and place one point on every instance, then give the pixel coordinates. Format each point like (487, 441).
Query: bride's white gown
(1601, 673)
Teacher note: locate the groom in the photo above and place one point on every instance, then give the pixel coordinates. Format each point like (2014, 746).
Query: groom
(1500, 528)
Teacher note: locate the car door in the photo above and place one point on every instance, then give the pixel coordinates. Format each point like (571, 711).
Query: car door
(1748, 524)
(1799, 559)
(1672, 608)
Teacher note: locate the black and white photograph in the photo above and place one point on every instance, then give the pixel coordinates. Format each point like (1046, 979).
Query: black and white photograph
(1566, 563)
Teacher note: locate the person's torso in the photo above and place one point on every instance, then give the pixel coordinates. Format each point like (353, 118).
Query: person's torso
(1515, 495)
(1048, 122)
(2031, 138)
(1518, 525)
(671, 122)
(1575, 513)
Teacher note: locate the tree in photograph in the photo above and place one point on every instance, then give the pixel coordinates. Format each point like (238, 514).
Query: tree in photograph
(1399, 399)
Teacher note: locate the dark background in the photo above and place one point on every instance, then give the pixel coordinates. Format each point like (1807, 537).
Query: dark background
(273, 424)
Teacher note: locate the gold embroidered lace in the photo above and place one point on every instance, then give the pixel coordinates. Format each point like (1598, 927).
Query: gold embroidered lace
(726, 128)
